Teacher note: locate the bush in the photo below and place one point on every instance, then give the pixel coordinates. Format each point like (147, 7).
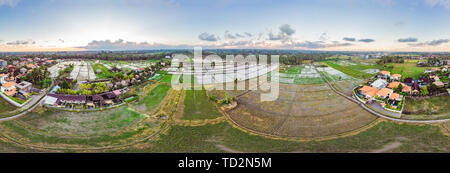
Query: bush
(213, 98)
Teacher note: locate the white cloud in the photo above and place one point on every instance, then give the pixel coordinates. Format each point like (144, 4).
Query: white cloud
(208, 37)
(11, 3)
(284, 34)
(431, 43)
(433, 3)
(125, 45)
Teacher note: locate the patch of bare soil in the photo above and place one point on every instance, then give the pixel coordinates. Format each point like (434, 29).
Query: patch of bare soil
(388, 147)
(224, 148)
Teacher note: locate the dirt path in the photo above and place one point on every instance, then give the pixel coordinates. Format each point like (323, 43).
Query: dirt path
(388, 147)
(224, 148)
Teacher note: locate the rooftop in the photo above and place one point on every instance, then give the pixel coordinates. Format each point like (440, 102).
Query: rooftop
(384, 92)
(9, 84)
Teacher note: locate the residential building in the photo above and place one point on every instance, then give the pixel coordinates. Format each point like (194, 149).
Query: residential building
(439, 84)
(368, 92)
(24, 86)
(23, 70)
(395, 96)
(3, 77)
(9, 88)
(379, 83)
(383, 93)
(385, 74)
(396, 77)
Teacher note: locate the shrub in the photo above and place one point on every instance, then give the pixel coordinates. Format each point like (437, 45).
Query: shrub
(213, 98)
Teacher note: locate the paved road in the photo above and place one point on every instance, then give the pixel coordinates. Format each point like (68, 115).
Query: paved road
(21, 114)
(376, 113)
(26, 108)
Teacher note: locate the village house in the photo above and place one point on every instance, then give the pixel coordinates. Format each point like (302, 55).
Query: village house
(395, 84)
(368, 92)
(9, 88)
(31, 66)
(439, 84)
(396, 77)
(383, 93)
(23, 70)
(395, 97)
(379, 83)
(385, 74)
(3, 77)
(24, 86)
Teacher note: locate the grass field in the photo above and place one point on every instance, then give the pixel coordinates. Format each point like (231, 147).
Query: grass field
(167, 79)
(5, 106)
(431, 106)
(224, 138)
(153, 99)
(197, 106)
(106, 73)
(407, 69)
(72, 123)
(356, 70)
(58, 128)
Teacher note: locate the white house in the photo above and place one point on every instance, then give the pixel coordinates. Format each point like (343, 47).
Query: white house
(3, 78)
(379, 83)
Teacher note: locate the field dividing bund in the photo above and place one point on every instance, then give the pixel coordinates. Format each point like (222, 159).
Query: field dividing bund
(302, 111)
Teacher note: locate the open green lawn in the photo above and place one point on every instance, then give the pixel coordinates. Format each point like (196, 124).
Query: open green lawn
(407, 69)
(105, 72)
(433, 105)
(5, 106)
(167, 79)
(154, 98)
(221, 137)
(356, 71)
(198, 106)
(60, 127)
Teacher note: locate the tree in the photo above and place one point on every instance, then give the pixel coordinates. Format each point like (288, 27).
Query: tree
(399, 88)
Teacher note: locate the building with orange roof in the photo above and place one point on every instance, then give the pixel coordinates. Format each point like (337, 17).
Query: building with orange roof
(9, 88)
(396, 76)
(368, 92)
(394, 96)
(385, 74)
(31, 66)
(406, 89)
(383, 93)
(436, 78)
(393, 85)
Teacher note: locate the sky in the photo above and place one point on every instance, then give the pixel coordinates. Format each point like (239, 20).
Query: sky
(348, 25)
